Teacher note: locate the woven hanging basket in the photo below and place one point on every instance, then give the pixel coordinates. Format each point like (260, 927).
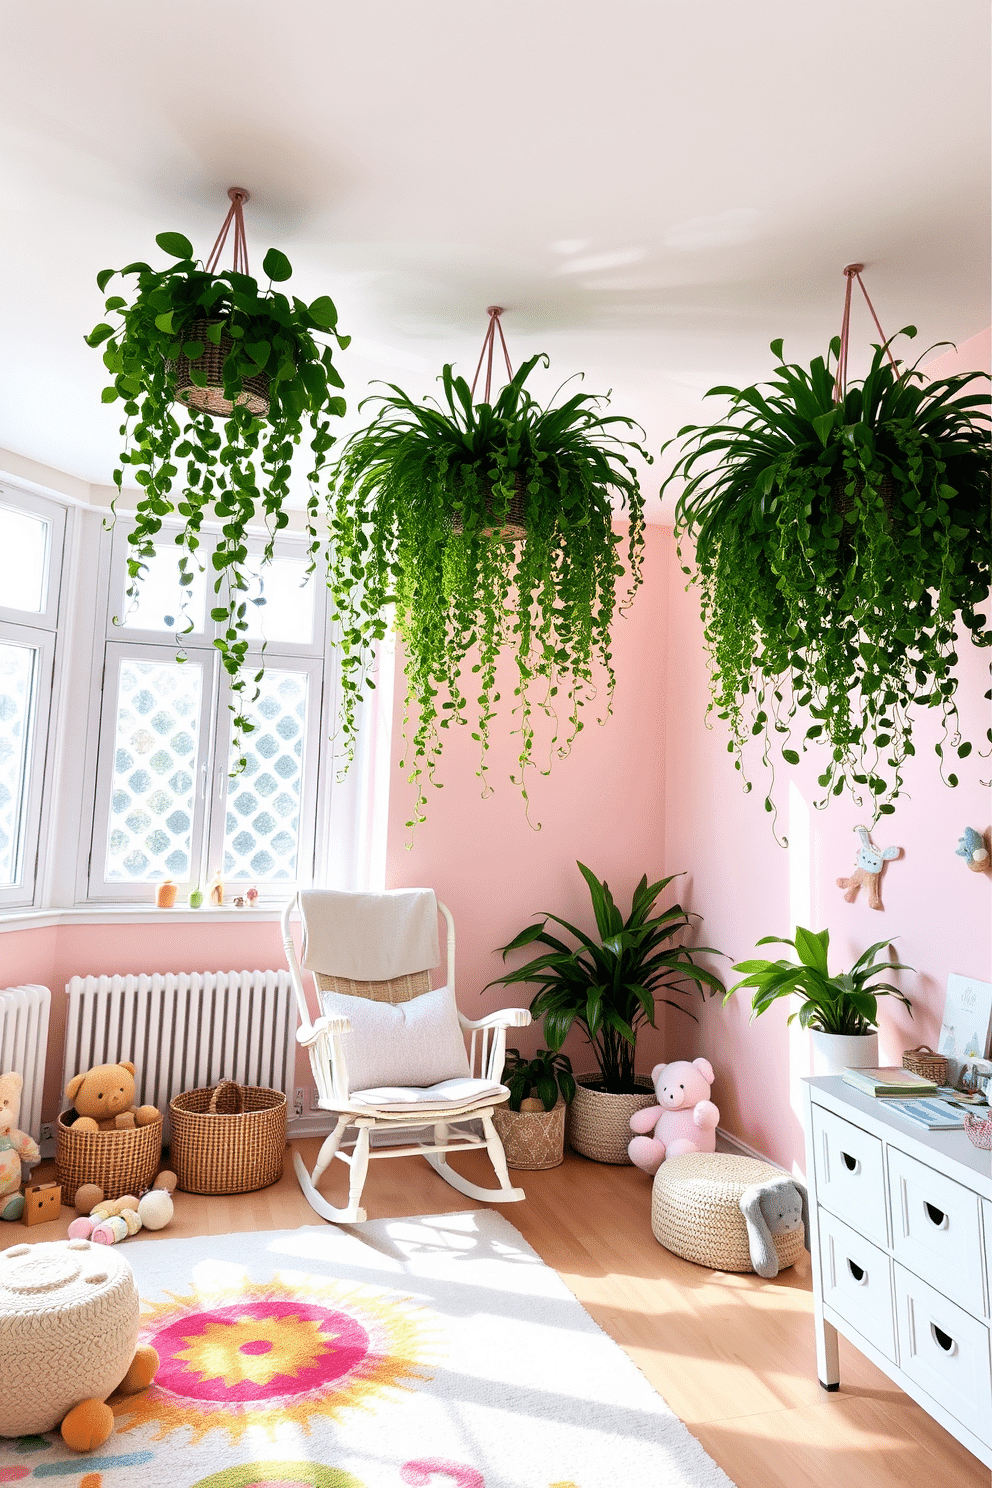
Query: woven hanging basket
(210, 399)
(926, 1062)
(512, 527)
(532, 1140)
(229, 1139)
(119, 1162)
(599, 1123)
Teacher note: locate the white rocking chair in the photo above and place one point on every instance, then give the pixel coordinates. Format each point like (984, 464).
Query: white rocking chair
(452, 1121)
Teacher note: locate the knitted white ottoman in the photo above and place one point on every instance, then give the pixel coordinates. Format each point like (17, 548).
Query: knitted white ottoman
(730, 1213)
(68, 1330)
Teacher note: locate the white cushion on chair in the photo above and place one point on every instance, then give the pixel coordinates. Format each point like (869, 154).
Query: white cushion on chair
(415, 1098)
(410, 1043)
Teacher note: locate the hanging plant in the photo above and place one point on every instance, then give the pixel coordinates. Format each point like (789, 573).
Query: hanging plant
(488, 526)
(220, 381)
(841, 542)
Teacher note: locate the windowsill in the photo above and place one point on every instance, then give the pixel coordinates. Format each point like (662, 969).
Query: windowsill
(131, 914)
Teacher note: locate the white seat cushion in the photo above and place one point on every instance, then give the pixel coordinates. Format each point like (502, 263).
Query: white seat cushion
(410, 1043)
(442, 1096)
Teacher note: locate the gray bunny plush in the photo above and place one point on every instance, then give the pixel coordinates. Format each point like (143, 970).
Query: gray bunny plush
(776, 1207)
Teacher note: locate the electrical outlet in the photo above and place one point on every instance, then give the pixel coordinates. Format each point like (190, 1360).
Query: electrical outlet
(314, 1098)
(298, 1099)
(47, 1131)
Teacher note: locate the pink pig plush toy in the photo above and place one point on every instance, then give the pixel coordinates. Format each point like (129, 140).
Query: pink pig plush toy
(684, 1120)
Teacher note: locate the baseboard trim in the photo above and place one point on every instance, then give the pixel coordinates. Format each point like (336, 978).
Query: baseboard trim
(744, 1148)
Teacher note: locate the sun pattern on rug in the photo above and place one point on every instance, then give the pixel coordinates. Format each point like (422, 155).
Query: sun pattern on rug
(259, 1354)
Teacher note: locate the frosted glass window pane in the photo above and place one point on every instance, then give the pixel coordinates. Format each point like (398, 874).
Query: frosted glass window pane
(287, 614)
(160, 596)
(261, 833)
(23, 560)
(154, 778)
(17, 670)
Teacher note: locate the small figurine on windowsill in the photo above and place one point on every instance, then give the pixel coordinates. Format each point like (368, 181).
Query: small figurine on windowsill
(251, 897)
(216, 894)
(238, 901)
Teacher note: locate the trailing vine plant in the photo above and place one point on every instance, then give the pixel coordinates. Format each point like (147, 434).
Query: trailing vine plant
(424, 506)
(840, 548)
(233, 466)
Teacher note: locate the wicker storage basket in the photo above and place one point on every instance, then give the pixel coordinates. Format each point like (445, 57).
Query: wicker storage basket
(120, 1162)
(925, 1061)
(532, 1139)
(255, 390)
(227, 1140)
(599, 1124)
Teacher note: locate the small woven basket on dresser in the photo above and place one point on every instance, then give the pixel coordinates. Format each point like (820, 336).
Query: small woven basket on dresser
(532, 1140)
(228, 1139)
(926, 1062)
(119, 1162)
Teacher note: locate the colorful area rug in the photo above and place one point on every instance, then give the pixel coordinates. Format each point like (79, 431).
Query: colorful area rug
(435, 1351)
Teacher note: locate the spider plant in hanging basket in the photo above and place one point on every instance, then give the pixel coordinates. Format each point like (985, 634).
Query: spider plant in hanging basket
(220, 381)
(426, 501)
(840, 549)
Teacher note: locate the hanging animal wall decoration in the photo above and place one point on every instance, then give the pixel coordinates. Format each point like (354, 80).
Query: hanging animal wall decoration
(867, 870)
(971, 847)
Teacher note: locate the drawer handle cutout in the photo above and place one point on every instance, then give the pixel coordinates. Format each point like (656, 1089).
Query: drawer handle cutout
(852, 1164)
(943, 1340)
(936, 1216)
(858, 1272)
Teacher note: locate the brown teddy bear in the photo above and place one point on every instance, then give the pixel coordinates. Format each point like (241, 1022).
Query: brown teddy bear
(104, 1099)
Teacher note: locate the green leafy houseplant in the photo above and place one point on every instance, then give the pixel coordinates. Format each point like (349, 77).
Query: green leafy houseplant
(233, 467)
(835, 546)
(419, 521)
(846, 1003)
(610, 987)
(543, 1077)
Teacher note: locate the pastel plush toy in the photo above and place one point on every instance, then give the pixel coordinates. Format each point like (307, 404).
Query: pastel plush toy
(684, 1120)
(971, 847)
(112, 1220)
(15, 1147)
(104, 1099)
(775, 1207)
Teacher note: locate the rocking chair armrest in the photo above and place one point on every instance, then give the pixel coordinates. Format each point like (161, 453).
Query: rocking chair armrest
(504, 1018)
(307, 1034)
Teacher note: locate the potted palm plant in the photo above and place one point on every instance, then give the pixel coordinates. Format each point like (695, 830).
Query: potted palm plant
(841, 1011)
(609, 986)
(841, 540)
(531, 1124)
(220, 379)
(483, 528)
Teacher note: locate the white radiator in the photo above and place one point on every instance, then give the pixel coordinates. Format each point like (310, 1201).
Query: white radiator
(184, 1030)
(24, 1045)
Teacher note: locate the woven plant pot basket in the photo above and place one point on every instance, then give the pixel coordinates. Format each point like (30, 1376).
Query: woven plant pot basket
(926, 1062)
(230, 1139)
(532, 1139)
(120, 1162)
(210, 399)
(599, 1124)
(512, 525)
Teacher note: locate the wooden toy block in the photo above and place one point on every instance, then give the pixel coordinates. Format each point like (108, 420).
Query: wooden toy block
(42, 1202)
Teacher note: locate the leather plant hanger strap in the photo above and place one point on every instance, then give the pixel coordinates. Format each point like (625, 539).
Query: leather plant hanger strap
(852, 272)
(238, 196)
(494, 312)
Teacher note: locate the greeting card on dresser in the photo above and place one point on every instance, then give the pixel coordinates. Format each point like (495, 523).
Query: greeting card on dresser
(967, 1022)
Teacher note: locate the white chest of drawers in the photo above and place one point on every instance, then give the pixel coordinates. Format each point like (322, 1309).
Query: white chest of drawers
(901, 1234)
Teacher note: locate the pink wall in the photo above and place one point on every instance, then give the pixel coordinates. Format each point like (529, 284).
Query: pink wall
(748, 887)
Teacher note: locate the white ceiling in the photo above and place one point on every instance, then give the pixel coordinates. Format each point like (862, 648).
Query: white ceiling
(654, 189)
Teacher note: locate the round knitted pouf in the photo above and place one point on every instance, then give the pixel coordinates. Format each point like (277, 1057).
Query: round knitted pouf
(68, 1330)
(695, 1210)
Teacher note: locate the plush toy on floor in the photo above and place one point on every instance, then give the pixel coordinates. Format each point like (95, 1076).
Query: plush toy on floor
(112, 1220)
(68, 1339)
(104, 1099)
(15, 1147)
(684, 1120)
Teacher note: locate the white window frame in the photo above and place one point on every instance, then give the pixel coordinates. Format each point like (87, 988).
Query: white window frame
(214, 743)
(37, 630)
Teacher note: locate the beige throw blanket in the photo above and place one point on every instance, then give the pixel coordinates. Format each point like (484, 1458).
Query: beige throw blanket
(369, 937)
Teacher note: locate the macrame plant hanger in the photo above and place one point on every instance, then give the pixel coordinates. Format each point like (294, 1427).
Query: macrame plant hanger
(238, 196)
(852, 272)
(489, 343)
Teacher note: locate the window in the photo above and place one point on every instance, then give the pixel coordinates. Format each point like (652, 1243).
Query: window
(166, 804)
(32, 542)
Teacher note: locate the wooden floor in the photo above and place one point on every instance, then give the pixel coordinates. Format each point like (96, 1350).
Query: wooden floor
(732, 1355)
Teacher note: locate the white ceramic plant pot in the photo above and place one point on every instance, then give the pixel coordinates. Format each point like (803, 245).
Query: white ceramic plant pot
(834, 1052)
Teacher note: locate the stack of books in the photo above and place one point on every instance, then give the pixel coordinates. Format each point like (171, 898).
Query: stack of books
(889, 1082)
